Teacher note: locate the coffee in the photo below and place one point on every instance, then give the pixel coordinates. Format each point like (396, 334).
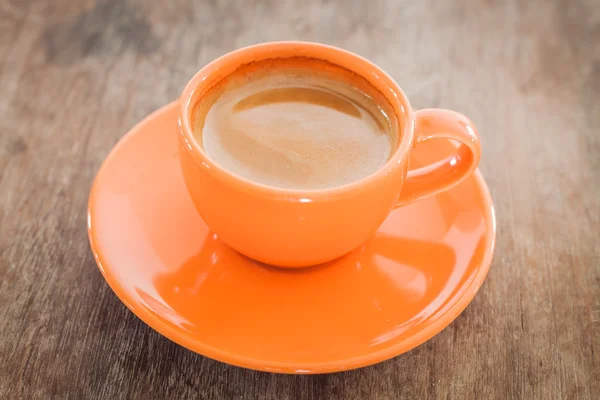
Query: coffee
(296, 123)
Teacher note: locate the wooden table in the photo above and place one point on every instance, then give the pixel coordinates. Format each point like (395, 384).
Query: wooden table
(76, 75)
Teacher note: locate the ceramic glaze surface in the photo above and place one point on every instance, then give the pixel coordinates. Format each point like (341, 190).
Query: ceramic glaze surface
(411, 279)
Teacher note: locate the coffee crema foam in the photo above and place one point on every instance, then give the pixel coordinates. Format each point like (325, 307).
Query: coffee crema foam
(296, 123)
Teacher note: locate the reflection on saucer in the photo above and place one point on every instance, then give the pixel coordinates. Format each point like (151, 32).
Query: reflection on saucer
(391, 289)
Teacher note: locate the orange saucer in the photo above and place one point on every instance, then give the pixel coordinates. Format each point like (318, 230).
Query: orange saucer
(420, 270)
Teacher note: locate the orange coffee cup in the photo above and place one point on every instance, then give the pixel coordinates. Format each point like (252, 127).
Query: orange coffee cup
(299, 228)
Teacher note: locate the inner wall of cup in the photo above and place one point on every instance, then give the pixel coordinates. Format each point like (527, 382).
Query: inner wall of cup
(217, 72)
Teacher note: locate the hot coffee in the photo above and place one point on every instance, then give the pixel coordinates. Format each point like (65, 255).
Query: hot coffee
(296, 123)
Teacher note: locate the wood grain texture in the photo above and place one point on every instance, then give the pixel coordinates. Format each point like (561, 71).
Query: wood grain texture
(76, 75)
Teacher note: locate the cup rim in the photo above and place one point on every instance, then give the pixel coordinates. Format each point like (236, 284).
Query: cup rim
(394, 95)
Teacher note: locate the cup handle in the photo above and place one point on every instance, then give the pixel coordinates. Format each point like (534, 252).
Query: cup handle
(443, 174)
